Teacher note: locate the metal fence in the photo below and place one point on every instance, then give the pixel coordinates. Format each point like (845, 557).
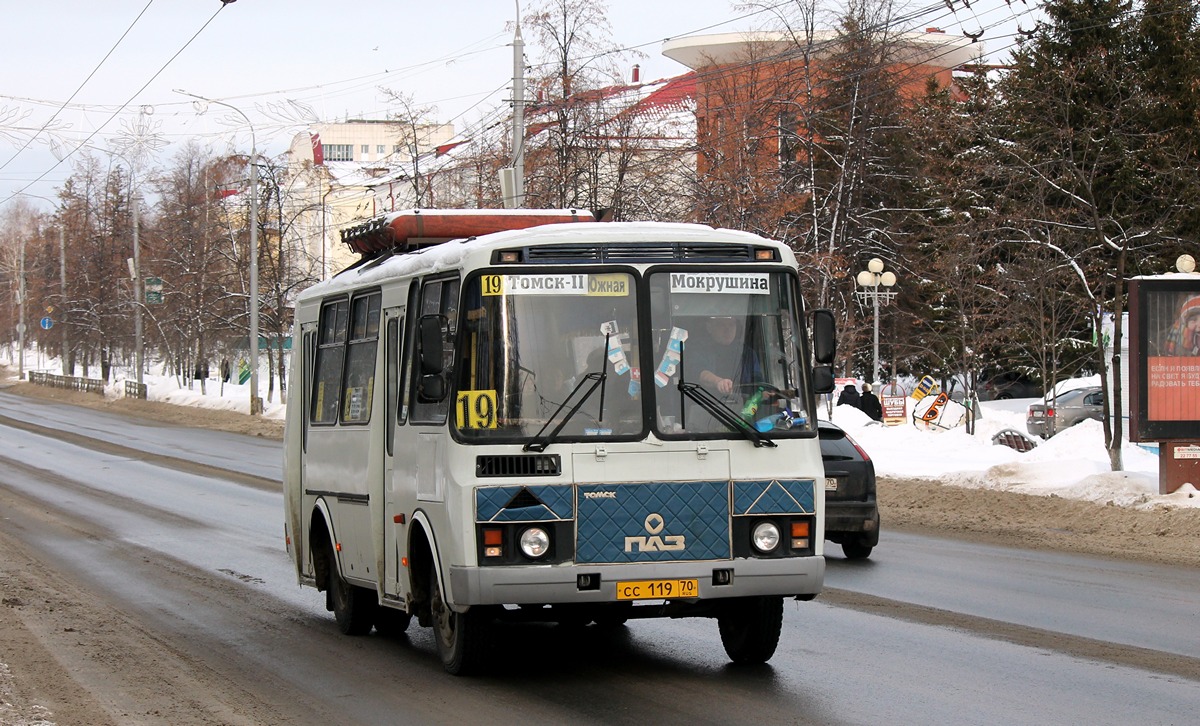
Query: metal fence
(133, 389)
(74, 383)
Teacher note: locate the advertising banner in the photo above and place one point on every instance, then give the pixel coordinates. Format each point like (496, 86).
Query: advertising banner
(1164, 339)
(894, 400)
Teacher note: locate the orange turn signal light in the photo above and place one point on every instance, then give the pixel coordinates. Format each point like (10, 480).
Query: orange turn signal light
(799, 529)
(493, 537)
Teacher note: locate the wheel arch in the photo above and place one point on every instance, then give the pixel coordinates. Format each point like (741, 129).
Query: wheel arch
(422, 559)
(320, 538)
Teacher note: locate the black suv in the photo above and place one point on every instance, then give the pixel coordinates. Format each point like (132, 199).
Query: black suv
(851, 511)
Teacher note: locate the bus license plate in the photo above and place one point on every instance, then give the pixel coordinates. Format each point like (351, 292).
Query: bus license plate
(831, 484)
(657, 589)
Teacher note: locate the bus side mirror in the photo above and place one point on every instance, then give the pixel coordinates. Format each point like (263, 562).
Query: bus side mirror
(433, 354)
(433, 388)
(824, 337)
(822, 379)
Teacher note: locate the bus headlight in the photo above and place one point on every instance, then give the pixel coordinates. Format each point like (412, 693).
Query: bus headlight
(535, 542)
(765, 537)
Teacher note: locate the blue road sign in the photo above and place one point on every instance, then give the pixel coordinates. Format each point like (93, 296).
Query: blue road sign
(47, 323)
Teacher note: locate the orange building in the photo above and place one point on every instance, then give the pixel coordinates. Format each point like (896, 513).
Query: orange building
(754, 89)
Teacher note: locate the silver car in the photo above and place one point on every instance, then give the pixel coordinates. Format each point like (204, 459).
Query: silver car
(1069, 408)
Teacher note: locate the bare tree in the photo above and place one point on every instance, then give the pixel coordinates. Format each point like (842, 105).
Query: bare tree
(284, 267)
(1084, 118)
(203, 297)
(575, 146)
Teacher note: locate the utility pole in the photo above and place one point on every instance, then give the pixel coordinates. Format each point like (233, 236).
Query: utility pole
(67, 368)
(21, 314)
(515, 196)
(139, 358)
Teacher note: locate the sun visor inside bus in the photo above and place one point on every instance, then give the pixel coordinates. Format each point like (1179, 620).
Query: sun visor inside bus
(417, 228)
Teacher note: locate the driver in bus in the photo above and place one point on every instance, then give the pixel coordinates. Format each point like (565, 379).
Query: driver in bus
(723, 361)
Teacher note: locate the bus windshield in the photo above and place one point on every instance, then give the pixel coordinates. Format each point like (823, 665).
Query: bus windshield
(552, 356)
(533, 345)
(726, 353)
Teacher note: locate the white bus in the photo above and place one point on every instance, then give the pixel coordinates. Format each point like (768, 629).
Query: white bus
(574, 422)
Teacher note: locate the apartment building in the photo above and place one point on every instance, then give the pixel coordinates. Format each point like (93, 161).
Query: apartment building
(333, 167)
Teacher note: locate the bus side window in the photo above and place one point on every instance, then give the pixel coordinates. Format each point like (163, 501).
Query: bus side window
(359, 385)
(392, 363)
(406, 355)
(327, 369)
(438, 297)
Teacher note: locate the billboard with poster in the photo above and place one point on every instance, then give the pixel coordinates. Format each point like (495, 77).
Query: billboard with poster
(894, 400)
(1164, 357)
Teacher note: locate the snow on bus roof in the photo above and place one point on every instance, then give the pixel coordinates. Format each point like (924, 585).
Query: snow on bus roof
(518, 212)
(450, 255)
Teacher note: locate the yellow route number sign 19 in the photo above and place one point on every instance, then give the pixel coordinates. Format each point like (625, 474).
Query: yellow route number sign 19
(475, 410)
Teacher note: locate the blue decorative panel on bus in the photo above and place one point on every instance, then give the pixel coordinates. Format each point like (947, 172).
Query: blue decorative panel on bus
(788, 496)
(653, 522)
(534, 503)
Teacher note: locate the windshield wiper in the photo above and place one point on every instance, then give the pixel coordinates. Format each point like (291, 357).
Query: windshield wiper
(722, 413)
(537, 443)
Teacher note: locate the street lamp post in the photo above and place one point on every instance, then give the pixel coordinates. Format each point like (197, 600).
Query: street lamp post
(869, 282)
(255, 402)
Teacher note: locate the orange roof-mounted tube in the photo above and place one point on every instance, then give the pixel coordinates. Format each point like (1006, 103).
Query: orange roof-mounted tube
(423, 227)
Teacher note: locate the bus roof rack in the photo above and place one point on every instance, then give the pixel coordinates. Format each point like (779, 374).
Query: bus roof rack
(414, 229)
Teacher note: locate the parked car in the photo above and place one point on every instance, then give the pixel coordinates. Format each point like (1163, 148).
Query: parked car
(851, 510)
(1058, 414)
(1007, 384)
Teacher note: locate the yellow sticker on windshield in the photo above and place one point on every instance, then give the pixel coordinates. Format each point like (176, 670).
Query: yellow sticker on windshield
(475, 410)
(608, 285)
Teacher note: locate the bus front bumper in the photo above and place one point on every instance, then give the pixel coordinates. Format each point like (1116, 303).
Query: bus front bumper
(570, 583)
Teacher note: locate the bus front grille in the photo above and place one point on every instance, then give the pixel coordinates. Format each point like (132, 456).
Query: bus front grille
(518, 465)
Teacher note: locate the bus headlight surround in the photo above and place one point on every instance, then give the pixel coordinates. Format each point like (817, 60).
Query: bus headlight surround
(765, 537)
(535, 542)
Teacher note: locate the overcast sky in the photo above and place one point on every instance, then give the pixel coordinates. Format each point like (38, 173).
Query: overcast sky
(331, 57)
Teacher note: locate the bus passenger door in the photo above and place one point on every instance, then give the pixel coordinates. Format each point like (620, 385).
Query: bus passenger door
(297, 454)
(394, 542)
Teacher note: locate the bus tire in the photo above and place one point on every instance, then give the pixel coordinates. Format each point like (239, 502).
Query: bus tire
(856, 549)
(461, 638)
(354, 608)
(750, 628)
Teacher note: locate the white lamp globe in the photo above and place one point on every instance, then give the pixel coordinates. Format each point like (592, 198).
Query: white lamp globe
(875, 265)
(1185, 263)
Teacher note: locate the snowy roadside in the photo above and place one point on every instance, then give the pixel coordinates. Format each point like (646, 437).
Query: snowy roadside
(1071, 465)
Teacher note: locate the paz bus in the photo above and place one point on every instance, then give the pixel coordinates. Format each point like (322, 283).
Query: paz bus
(518, 415)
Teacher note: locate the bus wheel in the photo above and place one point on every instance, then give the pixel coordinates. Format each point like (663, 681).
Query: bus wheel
(390, 622)
(353, 607)
(750, 628)
(460, 637)
(856, 549)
